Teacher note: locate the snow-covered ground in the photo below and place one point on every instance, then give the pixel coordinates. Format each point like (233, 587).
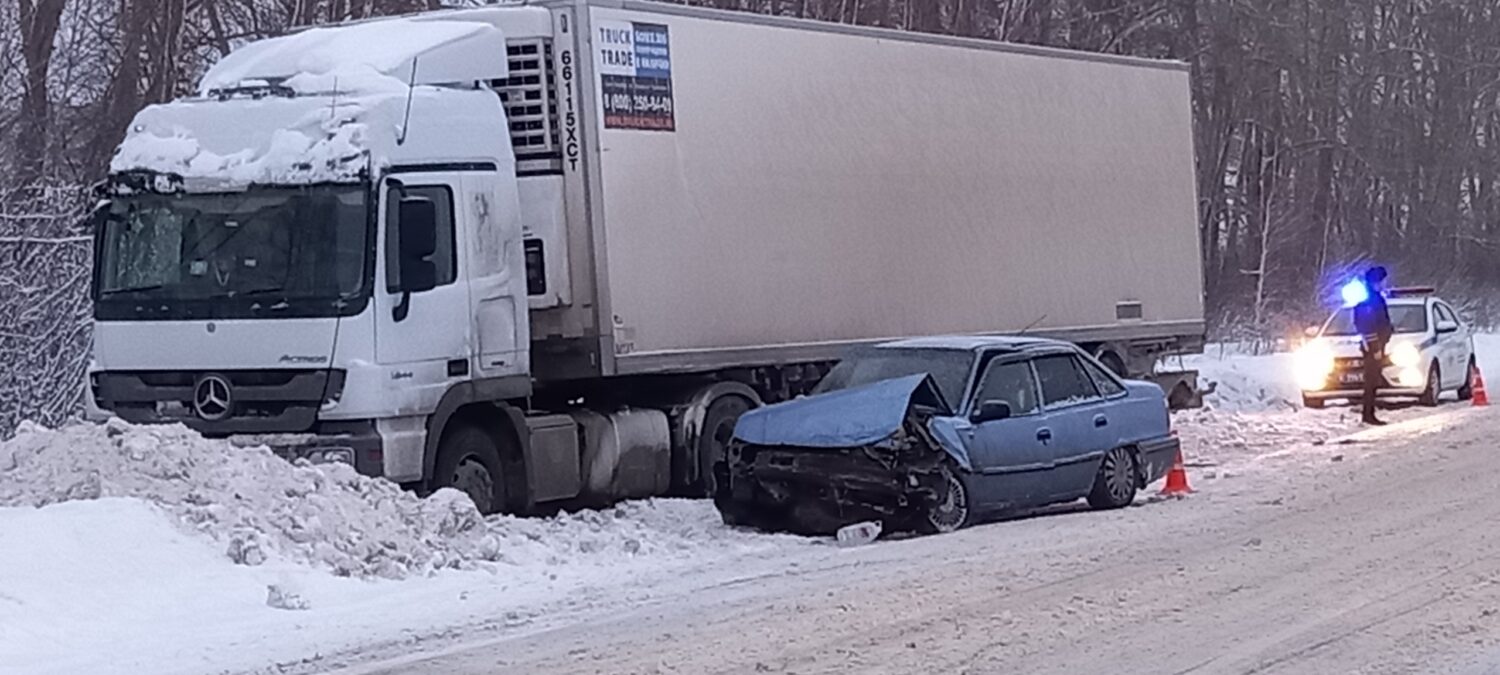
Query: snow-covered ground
(127, 550)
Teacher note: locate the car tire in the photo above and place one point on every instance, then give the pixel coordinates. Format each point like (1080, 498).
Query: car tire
(1466, 392)
(1314, 403)
(1116, 482)
(953, 510)
(715, 436)
(1434, 390)
(469, 461)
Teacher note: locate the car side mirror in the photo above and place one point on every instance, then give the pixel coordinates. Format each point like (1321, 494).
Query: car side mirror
(992, 411)
(1310, 331)
(418, 234)
(1445, 326)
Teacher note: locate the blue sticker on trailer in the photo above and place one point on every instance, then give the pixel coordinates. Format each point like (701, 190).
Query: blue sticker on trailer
(635, 75)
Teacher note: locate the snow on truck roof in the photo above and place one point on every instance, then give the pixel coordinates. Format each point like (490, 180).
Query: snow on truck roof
(342, 97)
(441, 52)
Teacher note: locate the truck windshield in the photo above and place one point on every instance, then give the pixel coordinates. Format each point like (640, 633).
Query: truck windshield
(263, 253)
(949, 368)
(1405, 319)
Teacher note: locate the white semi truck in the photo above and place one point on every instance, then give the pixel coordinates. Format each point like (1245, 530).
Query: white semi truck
(548, 252)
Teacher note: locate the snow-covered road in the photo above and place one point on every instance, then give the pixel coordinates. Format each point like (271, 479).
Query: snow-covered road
(1377, 554)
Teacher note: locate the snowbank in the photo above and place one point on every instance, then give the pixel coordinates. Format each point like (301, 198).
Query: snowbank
(255, 506)
(129, 549)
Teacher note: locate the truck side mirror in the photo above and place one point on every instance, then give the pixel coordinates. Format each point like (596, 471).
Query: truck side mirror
(991, 411)
(418, 223)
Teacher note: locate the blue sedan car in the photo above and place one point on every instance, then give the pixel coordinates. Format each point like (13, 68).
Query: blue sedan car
(930, 434)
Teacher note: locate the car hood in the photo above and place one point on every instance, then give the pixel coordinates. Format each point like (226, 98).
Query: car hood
(840, 419)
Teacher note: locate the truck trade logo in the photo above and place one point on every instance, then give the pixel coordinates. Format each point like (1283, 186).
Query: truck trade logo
(635, 74)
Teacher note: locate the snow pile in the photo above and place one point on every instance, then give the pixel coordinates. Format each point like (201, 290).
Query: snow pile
(256, 506)
(1245, 382)
(252, 502)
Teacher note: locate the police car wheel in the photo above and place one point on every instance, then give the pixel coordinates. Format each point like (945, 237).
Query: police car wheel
(1434, 387)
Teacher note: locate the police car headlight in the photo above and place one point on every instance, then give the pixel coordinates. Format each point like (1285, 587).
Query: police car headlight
(1313, 362)
(1404, 355)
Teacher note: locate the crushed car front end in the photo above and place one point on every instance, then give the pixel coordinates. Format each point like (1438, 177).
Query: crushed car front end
(819, 490)
(814, 465)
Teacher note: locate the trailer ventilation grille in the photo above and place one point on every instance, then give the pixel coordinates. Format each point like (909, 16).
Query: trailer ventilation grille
(1129, 311)
(530, 98)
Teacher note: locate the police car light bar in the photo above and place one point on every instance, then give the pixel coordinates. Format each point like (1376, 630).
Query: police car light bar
(1412, 291)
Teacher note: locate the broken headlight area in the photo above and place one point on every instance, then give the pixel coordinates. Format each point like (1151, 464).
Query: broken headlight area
(816, 491)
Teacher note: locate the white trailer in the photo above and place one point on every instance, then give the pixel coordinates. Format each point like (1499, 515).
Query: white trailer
(549, 251)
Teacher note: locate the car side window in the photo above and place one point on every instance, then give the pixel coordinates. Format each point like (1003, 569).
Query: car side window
(1063, 381)
(1106, 383)
(1012, 383)
(446, 256)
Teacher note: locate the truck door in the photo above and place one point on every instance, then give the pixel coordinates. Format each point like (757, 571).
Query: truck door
(496, 274)
(422, 337)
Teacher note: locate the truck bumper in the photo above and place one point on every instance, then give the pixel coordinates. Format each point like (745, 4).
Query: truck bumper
(354, 443)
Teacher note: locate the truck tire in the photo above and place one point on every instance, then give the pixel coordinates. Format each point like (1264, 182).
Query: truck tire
(714, 438)
(468, 460)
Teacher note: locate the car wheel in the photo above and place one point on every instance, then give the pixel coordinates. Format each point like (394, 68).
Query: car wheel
(1116, 482)
(1314, 403)
(1434, 389)
(951, 510)
(469, 462)
(1466, 392)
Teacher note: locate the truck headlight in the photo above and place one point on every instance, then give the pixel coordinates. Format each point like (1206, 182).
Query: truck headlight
(1404, 355)
(1313, 362)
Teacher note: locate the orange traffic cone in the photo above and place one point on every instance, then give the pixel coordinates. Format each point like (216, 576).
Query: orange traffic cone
(1177, 483)
(1480, 396)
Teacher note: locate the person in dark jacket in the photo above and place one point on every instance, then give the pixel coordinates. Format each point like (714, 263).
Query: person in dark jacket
(1373, 321)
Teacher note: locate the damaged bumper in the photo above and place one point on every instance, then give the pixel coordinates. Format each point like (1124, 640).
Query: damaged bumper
(818, 491)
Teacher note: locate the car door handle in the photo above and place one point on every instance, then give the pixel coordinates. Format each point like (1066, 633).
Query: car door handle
(1101, 421)
(1044, 435)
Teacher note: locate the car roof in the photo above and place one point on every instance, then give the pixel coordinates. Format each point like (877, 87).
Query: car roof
(969, 343)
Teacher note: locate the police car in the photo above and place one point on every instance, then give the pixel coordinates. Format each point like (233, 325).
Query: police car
(1431, 353)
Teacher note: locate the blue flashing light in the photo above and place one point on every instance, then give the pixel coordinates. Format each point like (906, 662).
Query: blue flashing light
(1355, 292)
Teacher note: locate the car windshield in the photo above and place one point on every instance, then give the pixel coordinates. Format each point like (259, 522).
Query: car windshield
(1405, 319)
(286, 251)
(949, 368)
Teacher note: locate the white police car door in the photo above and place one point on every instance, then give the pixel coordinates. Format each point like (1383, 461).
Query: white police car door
(1452, 345)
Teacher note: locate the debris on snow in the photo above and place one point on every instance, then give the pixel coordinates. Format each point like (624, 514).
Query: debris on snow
(283, 596)
(858, 534)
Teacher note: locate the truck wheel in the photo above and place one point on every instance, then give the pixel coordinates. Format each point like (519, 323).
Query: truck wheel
(469, 461)
(1434, 389)
(1466, 392)
(715, 436)
(1113, 362)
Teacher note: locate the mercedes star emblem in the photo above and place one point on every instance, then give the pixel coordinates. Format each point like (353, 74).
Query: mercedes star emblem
(212, 398)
